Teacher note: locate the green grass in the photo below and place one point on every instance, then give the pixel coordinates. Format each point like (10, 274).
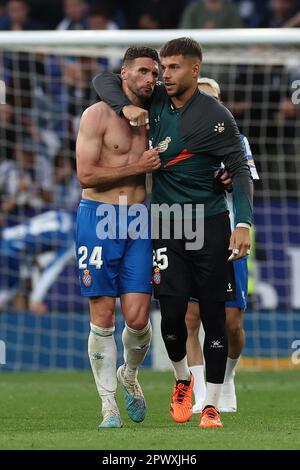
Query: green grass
(61, 411)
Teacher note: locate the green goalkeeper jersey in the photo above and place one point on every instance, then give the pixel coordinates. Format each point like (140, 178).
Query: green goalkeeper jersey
(193, 141)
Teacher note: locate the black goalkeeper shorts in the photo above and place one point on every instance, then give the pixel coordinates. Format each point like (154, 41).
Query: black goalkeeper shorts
(205, 273)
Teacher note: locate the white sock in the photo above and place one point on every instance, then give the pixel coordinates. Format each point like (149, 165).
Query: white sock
(199, 388)
(181, 368)
(103, 358)
(230, 368)
(136, 344)
(213, 392)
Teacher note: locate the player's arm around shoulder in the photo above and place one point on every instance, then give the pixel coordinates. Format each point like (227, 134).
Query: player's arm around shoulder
(108, 87)
(89, 142)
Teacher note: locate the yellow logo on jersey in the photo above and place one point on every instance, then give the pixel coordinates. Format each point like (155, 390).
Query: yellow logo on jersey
(219, 127)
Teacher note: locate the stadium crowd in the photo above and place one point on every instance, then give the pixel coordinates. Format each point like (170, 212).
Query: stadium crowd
(46, 94)
(153, 14)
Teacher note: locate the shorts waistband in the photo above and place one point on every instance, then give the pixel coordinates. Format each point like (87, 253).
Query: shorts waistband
(91, 203)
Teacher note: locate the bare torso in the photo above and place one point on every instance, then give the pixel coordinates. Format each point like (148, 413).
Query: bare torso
(122, 144)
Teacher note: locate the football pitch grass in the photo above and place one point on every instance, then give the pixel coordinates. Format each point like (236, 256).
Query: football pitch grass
(60, 410)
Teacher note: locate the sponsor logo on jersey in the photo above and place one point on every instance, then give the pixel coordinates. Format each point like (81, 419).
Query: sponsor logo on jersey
(87, 278)
(220, 127)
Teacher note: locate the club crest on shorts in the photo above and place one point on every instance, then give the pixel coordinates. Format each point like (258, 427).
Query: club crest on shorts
(156, 276)
(87, 278)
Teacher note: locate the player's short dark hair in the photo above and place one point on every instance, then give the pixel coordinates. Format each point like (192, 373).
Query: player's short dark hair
(133, 53)
(187, 47)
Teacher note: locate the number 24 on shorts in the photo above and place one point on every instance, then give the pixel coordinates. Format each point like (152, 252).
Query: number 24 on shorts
(160, 258)
(94, 259)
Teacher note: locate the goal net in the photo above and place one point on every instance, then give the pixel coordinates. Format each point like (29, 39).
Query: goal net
(45, 86)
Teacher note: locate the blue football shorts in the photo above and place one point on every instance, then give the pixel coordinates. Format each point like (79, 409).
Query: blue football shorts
(241, 284)
(114, 249)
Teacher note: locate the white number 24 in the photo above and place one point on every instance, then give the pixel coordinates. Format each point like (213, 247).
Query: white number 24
(95, 258)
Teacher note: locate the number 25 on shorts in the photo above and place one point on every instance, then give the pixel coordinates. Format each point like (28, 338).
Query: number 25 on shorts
(160, 258)
(94, 259)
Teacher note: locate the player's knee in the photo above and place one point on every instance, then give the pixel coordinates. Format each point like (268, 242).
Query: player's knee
(102, 313)
(137, 317)
(192, 324)
(234, 328)
(104, 319)
(192, 317)
(138, 324)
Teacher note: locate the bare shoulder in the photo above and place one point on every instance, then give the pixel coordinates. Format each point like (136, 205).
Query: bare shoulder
(95, 116)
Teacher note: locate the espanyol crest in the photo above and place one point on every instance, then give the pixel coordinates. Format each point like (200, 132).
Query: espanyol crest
(164, 144)
(87, 278)
(156, 276)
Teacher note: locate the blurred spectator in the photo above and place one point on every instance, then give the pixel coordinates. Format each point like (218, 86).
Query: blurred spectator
(78, 93)
(7, 129)
(209, 14)
(18, 17)
(155, 14)
(284, 13)
(33, 254)
(67, 190)
(119, 12)
(252, 12)
(13, 173)
(2, 8)
(8, 188)
(24, 92)
(50, 12)
(75, 15)
(293, 22)
(78, 72)
(35, 183)
(22, 73)
(264, 111)
(100, 17)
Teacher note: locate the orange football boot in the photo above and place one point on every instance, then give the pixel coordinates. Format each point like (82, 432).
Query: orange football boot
(210, 418)
(181, 409)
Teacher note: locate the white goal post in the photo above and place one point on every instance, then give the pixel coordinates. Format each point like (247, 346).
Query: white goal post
(263, 36)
